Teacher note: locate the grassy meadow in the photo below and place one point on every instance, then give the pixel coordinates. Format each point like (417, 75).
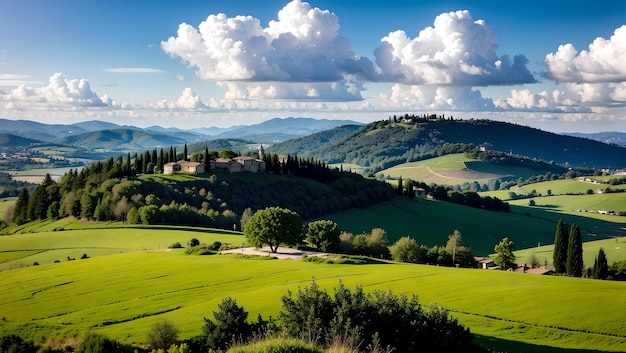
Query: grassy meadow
(122, 295)
(430, 222)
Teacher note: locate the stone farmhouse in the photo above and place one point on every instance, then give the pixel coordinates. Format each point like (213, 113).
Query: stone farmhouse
(239, 164)
(183, 167)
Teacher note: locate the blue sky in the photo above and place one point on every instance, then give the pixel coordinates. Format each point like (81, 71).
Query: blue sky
(555, 65)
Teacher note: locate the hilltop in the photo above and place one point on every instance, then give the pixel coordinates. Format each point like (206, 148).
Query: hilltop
(383, 144)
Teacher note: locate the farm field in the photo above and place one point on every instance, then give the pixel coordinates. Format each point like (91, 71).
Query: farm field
(37, 175)
(615, 250)
(430, 222)
(122, 295)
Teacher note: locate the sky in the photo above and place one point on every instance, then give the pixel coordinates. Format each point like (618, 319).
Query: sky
(555, 65)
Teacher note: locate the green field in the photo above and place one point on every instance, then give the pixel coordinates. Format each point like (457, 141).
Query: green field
(430, 222)
(614, 248)
(123, 295)
(455, 169)
(44, 247)
(5, 203)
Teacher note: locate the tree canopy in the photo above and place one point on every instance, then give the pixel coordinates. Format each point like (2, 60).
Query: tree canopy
(504, 254)
(323, 235)
(274, 226)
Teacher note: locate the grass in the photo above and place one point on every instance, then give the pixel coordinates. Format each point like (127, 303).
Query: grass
(21, 250)
(430, 222)
(455, 169)
(615, 250)
(122, 295)
(5, 203)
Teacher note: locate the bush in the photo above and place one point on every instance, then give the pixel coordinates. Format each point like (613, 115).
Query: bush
(194, 242)
(100, 344)
(277, 345)
(16, 344)
(162, 335)
(176, 245)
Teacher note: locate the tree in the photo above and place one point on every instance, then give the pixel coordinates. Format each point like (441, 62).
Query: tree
(601, 266)
(193, 242)
(406, 250)
(504, 254)
(575, 263)
(461, 254)
(323, 235)
(400, 190)
(162, 335)
(245, 216)
(274, 226)
(185, 153)
(230, 325)
(559, 258)
(133, 215)
(21, 207)
(207, 160)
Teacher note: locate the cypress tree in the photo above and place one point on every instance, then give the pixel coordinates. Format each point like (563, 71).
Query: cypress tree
(601, 266)
(575, 252)
(559, 259)
(206, 159)
(400, 190)
(21, 207)
(185, 153)
(172, 157)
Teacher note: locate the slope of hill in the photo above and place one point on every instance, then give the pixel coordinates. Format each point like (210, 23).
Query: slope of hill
(313, 141)
(121, 140)
(279, 129)
(383, 144)
(457, 169)
(9, 140)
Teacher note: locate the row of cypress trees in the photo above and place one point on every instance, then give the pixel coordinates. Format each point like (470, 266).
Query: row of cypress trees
(568, 254)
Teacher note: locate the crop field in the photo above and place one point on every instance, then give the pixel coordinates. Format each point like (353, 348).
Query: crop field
(122, 295)
(614, 248)
(37, 175)
(561, 187)
(430, 222)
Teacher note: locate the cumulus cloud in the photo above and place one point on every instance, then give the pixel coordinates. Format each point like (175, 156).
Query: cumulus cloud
(301, 46)
(602, 62)
(60, 91)
(345, 90)
(188, 100)
(436, 98)
(456, 50)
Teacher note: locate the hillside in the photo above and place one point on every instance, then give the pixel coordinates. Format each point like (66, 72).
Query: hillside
(9, 140)
(383, 144)
(459, 169)
(313, 141)
(121, 140)
(278, 129)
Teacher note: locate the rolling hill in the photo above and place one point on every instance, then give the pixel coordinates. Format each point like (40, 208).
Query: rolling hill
(383, 144)
(9, 140)
(121, 140)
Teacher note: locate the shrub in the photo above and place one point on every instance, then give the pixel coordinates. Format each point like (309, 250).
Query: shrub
(13, 343)
(277, 345)
(194, 242)
(176, 245)
(162, 335)
(100, 344)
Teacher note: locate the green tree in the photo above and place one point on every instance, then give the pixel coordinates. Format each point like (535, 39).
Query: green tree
(229, 326)
(245, 216)
(504, 254)
(461, 254)
(601, 266)
(274, 226)
(53, 210)
(323, 235)
(575, 263)
(400, 189)
(185, 153)
(207, 161)
(162, 335)
(227, 154)
(406, 250)
(133, 216)
(359, 244)
(21, 207)
(559, 257)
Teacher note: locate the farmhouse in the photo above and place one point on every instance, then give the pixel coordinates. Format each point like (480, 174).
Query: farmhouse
(183, 167)
(533, 271)
(486, 263)
(239, 164)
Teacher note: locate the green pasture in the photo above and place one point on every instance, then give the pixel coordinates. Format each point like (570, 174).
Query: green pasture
(42, 171)
(455, 169)
(5, 203)
(348, 167)
(614, 248)
(430, 222)
(558, 187)
(122, 295)
(581, 204)
(21, 250)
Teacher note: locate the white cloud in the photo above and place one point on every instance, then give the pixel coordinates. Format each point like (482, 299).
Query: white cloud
(301, 46)
(345, 90)
(59, 93)
(436, 98)
(188, 100)
(457, 50)
(133, 70)
(602, 62)
(13, 80)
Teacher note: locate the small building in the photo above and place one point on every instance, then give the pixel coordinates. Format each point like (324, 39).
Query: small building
(183, 167)
(239, 164)
(486, 263)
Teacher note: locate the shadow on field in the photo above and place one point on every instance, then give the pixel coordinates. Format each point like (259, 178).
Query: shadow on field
(505, 346)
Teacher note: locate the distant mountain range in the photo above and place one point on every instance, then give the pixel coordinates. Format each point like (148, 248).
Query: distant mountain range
(618, 138)
(108, 136)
